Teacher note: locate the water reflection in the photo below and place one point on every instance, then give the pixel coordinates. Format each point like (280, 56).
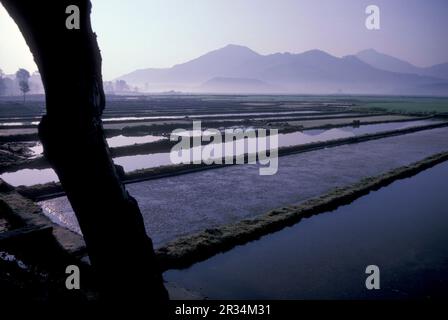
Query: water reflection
(309, 136)
(153, 160)
(113, 142)
(217, 115)
(402, 228)
(120, 141)
(131, 163)
(18, 124)
(29, 177)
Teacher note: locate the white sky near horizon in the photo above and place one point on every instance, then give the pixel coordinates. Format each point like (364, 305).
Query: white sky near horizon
(138, 34)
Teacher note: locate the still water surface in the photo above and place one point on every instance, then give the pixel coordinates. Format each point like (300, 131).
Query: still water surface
(402, 228)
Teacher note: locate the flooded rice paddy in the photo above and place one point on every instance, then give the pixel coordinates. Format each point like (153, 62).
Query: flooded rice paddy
(399, 228)
(152, 160)
(185, 204)
(402, 228)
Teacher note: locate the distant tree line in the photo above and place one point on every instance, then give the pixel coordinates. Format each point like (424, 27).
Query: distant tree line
(118, 87)
(20, 83)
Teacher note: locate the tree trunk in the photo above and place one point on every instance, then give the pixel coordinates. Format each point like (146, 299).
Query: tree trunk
(69, 62)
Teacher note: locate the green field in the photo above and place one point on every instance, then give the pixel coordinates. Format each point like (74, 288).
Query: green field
(425, 105)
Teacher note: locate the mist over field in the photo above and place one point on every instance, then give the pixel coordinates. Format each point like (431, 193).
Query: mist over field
(238, 69)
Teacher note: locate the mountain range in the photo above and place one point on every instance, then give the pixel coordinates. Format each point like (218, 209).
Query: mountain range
(238, 69)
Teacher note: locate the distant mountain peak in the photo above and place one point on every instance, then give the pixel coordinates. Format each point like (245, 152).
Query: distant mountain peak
(239, 68)
(317, 55)
(386, 62)
(368, 51)
(316, 52)
(235, 46)
(236, 49)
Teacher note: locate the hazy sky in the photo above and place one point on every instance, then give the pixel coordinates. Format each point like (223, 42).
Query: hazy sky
(137, 34)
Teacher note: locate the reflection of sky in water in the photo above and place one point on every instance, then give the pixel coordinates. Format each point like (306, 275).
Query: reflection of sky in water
(28, 177)
(130, 163)
(325, 256)
(120, 141)
(153, 160)
(208, 115)
(18, 124)
(37, 149)
(307, 117)
(217, 115)
(194, 133)
(114, 142)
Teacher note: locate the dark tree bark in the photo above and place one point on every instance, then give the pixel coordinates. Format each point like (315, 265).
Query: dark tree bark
(69, 62)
